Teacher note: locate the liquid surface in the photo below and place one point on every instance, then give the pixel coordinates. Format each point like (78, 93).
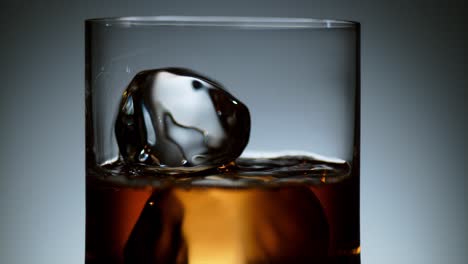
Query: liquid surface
(274, 210)
(244, 172)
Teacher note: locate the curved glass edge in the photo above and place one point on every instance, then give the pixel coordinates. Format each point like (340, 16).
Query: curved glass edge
(213, 21)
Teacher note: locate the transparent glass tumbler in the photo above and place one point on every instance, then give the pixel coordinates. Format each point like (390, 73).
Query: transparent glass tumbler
(222, 140)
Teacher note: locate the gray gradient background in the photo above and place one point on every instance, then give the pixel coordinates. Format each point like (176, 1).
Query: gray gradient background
(414, 122)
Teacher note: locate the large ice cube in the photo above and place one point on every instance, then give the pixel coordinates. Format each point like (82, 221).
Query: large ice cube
(176, 119)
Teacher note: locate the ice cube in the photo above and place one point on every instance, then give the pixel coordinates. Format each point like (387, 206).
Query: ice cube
(175, 119)
(157, 236)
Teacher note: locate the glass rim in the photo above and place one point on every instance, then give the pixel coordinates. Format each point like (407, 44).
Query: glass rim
(224, 21)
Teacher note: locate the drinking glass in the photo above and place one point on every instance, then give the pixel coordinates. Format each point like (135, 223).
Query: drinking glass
(222, 140)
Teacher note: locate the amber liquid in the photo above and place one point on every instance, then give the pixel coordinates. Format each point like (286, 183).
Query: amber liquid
(286, 223)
